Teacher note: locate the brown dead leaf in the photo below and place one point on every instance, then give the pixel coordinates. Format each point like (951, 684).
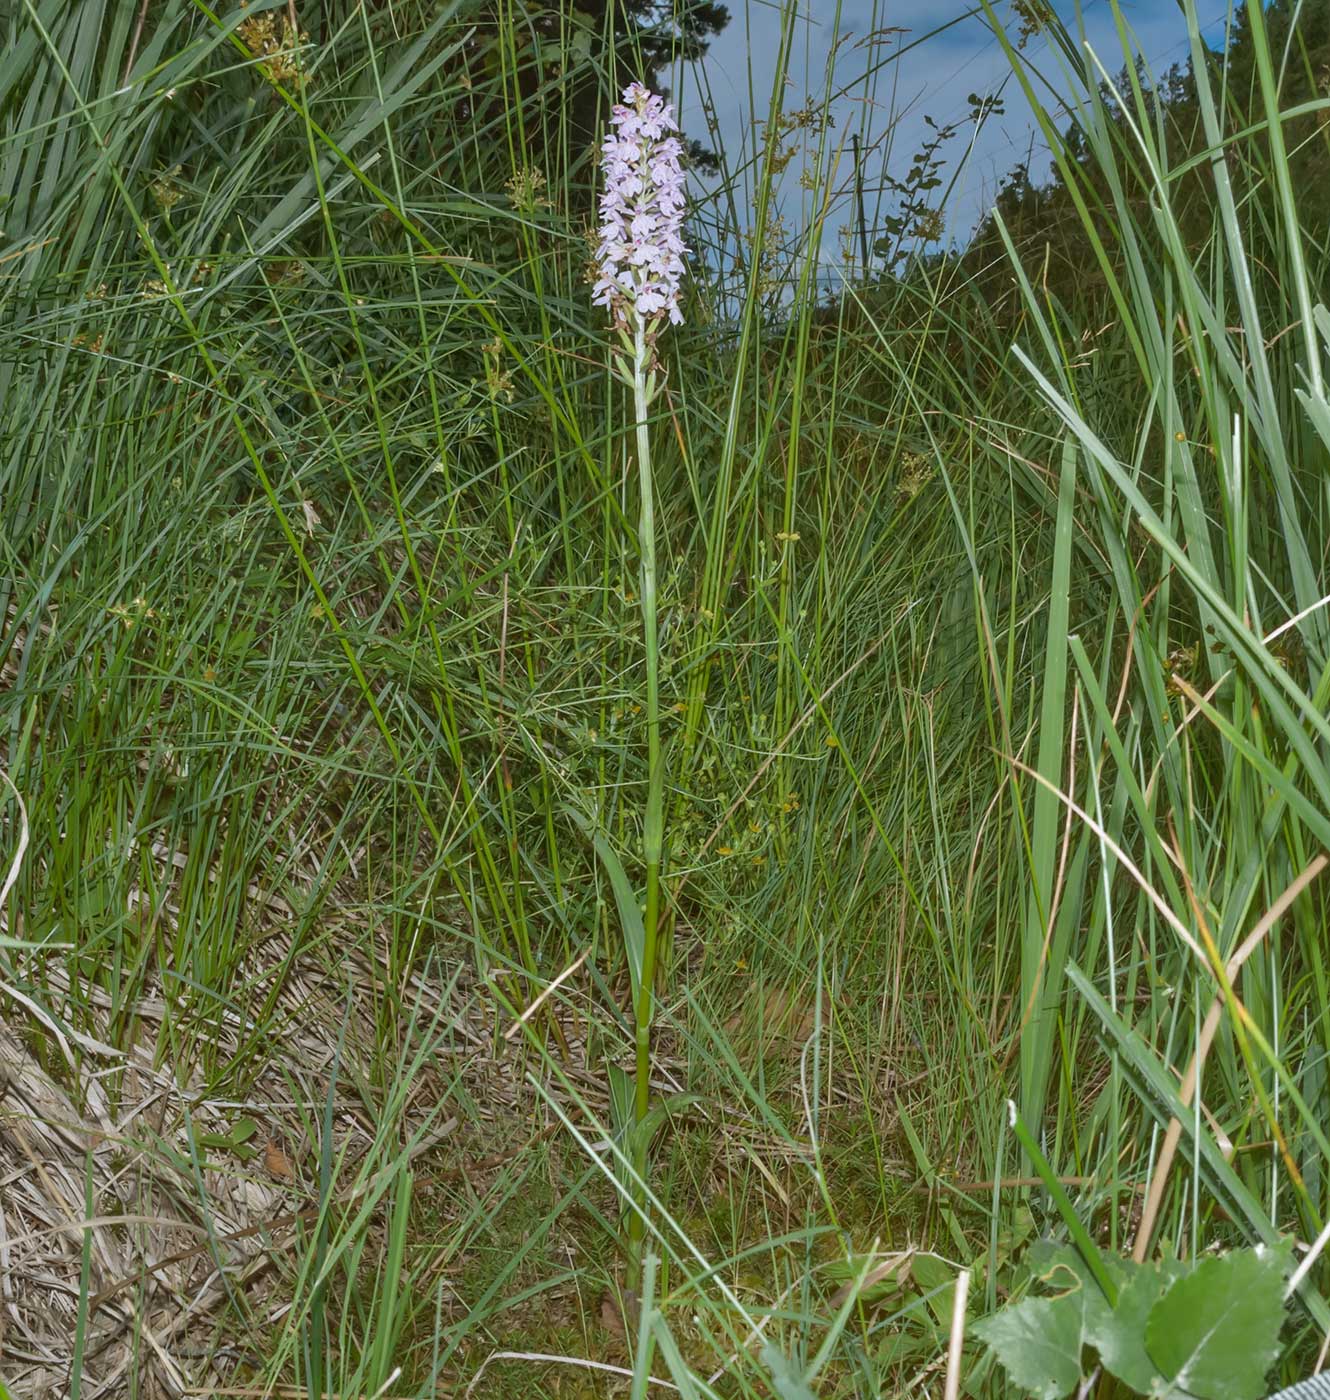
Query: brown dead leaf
(784, 1018)
(276, 1162)
(619, 1312)
(894, 1267)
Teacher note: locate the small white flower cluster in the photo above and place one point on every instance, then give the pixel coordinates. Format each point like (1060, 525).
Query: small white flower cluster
(641, 253)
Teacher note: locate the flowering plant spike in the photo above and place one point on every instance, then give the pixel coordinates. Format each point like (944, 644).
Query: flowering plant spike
(641, 252)
(640, 263)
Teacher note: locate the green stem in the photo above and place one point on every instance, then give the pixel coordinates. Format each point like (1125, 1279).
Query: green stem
(1079, 1234)
(654, 819)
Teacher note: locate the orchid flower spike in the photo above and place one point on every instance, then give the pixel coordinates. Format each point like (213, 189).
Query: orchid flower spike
(641, 254)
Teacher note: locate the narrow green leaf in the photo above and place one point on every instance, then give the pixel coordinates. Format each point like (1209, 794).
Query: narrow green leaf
(1162, 1098)
(625, 898)
(679, 1369)
(1089, 1251)
(785, 1375)
(621, 1100)
(662, 1109)
(1043, 953)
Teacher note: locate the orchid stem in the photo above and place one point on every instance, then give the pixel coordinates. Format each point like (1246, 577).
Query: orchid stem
(654, 819)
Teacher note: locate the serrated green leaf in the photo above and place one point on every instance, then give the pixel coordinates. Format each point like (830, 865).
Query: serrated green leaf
(1215, 1333)
(1038, 1342)
(1119, 1335)
(1064, 1271)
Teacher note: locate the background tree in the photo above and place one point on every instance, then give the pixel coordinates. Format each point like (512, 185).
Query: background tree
(558, 60)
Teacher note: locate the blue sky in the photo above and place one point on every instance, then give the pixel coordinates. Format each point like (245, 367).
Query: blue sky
(931, 79)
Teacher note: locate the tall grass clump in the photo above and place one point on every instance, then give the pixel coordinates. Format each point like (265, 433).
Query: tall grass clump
(1176, 787)
(443, 778)
(1199, 802)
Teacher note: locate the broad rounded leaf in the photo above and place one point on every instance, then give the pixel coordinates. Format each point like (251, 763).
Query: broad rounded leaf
(1038, 1342)
(1215, 1333)
(1062, 1271)
(1118, 1335)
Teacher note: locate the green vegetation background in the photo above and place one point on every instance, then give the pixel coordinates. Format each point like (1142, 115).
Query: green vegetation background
(996, 660)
